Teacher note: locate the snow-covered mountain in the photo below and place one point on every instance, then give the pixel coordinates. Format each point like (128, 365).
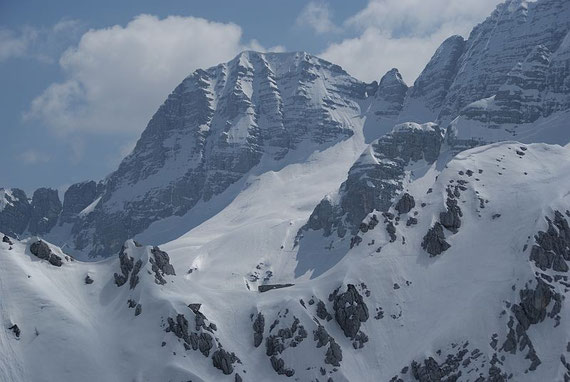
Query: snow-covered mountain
(253, 234)
(519, 37)
(255, 113)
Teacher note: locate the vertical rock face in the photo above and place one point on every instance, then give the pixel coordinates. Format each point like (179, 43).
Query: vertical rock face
(558, 79)
(258, 329)
(18, 214)
(161, 265)
(215, 127)
(519, 100)
(77, 197)
(376, 178)
(14, 211)
(391, 91)
(496, 45)
(507, 50)
(45, 210)
(427, 96)
(536, 87)
(386, 105)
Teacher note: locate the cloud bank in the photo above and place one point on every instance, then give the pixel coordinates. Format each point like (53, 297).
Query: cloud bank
(37, 43)
(318, 17)
(117, 77)
(402, 34)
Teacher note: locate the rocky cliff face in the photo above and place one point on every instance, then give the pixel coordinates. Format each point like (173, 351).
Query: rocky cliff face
(14, 211)
(77, 197)
(519, 100)
(386, 105)
(45, 210)
(376, 178)
(19, 215)
(497, 51)
(502, 41)
(427, 96)
(534, 90)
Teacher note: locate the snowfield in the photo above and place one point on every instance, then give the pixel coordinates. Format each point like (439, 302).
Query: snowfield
(79, 331)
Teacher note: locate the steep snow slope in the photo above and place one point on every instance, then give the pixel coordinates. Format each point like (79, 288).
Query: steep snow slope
(391, 304)
(261, 221)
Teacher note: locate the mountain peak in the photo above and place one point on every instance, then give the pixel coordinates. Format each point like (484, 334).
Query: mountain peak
(392, 75)
(215, 127)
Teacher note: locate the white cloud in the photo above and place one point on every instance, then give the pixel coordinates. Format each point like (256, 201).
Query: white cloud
(13, 45)
(369, 56)
(420, 17)
(317, 16)
(256, 46)
(32, 157)
(117, 77)
(403, 34)
(38, 43)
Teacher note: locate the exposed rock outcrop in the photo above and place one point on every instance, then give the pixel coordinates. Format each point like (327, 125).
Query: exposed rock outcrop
(224, 361)
(375, 179)
(42, 251)
(386, 105)
(334, 353)
(427, 96)
(258, 329)
(268, 287)
(161, 265)
(552, 248)
(6, 239)
(16, 330)
(451, 219)
(76, 198)
(405, 204)
(434, 241)
(350, 311)
(203, 342)
(127, 264)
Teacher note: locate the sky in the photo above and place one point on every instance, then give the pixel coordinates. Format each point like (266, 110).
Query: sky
(79, 80)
